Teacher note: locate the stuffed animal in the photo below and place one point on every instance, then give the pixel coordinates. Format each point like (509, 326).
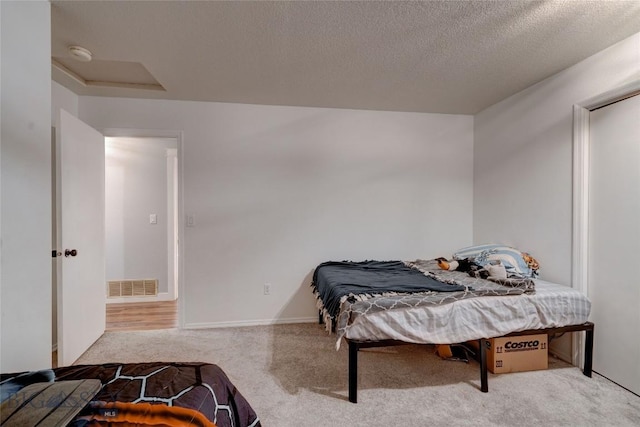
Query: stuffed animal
(463, 265)
(495, 270)
(531, 262)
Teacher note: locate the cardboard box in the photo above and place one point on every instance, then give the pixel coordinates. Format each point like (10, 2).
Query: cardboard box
(517, 354)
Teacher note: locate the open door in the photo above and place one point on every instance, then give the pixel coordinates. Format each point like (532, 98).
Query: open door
(80, 242)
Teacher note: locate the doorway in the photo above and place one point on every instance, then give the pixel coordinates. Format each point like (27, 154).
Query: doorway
(141, 225)
(78, 316)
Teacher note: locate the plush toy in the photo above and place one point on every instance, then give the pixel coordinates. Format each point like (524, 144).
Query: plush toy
(531, 262)
(495, 270)
(464, 265)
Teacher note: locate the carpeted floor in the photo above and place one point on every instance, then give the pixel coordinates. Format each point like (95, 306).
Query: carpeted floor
(293, 376)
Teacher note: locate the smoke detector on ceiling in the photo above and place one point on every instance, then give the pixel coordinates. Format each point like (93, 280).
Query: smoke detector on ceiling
(80, 54)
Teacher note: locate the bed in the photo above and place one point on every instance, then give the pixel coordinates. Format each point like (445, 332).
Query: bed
(361, 303)
(169, 394)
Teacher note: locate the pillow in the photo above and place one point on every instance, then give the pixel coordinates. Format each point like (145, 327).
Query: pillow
(512, 259)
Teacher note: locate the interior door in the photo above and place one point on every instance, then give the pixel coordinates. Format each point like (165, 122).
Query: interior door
(80, 230)
(614, 240)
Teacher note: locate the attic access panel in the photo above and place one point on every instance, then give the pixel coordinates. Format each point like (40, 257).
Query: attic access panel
(108, 73)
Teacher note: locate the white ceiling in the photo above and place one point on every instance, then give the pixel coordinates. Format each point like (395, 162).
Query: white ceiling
(433, 56)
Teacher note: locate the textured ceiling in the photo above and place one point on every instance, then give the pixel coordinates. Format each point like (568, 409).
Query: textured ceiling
(432, 56)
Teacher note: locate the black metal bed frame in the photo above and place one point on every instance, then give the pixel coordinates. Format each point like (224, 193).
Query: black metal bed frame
(483, 344)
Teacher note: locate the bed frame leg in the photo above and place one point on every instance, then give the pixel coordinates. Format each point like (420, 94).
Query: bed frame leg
(484, 383)
(588, 352)
(320, 319)
(353, 372)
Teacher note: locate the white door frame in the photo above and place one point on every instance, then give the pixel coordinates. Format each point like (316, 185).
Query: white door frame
(580, 240)
(155, 133)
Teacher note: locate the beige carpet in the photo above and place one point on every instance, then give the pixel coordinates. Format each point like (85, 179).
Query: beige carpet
(292, 376)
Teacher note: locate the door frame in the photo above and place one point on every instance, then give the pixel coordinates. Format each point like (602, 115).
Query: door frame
(580, 232)
(178, 135)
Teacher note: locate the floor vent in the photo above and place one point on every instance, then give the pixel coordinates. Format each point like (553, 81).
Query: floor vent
(132, 288)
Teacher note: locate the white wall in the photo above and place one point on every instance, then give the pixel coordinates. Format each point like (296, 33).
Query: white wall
(61, 97)
(136, 187)
(523, 162)
(523, 158)
(25, 185)
(277, 190)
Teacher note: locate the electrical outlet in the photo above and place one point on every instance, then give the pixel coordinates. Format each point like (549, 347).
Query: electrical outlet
(267, 288)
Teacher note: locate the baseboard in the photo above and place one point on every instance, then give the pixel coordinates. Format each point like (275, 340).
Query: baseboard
(162, 296)
(238, 323)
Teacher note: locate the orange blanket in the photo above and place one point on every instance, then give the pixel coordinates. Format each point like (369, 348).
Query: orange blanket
(143, 414)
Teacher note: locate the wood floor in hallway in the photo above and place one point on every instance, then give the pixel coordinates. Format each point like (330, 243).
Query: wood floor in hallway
(137, 317)
(142, 316)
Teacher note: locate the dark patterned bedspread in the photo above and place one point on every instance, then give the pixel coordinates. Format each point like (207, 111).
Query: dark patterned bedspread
(202, 387)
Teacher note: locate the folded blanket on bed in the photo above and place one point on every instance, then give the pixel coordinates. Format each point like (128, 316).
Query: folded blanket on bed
(334, 280)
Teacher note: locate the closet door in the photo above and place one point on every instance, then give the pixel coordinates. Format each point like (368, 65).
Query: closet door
(614, 241)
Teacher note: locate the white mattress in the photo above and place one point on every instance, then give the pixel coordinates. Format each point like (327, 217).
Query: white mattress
(551, 306)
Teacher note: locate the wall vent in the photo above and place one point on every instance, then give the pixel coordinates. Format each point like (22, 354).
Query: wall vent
(132, 288)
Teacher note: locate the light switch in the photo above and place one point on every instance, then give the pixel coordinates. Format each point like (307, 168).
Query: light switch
(153, 219)
(191, 220)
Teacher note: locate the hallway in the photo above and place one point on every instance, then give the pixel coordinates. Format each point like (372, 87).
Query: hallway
(142, 316)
